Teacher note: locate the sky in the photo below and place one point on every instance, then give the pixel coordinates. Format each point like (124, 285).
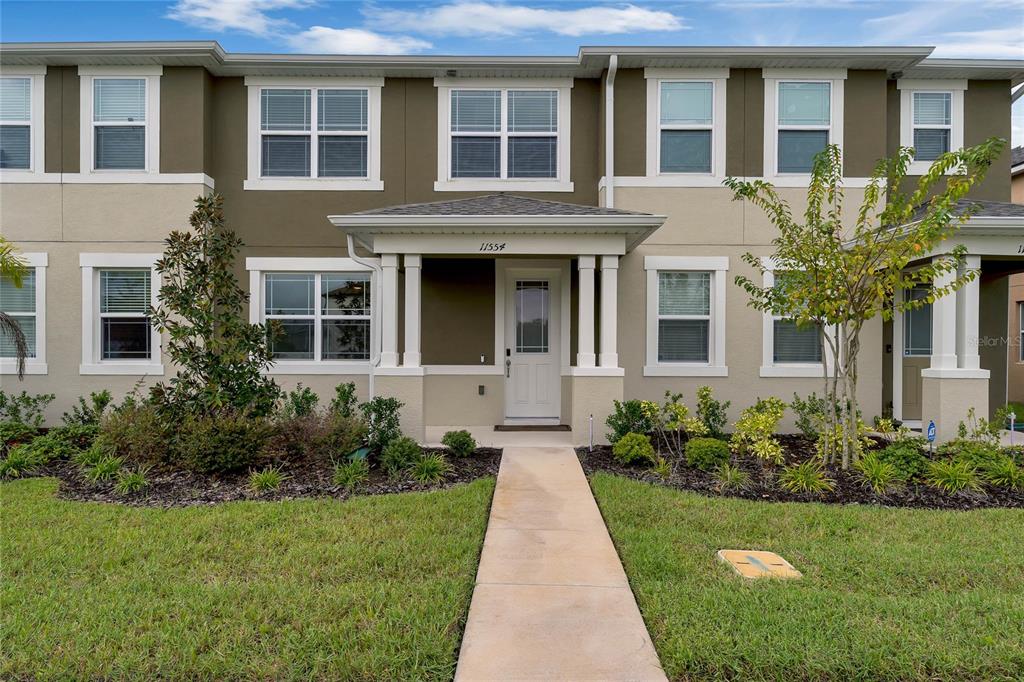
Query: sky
(957, 28)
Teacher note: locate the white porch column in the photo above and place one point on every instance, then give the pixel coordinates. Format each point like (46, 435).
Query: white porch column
(944, 327)
(389, 310)
(609, 311)
(585, 341)
(411, 353)
(968, 299)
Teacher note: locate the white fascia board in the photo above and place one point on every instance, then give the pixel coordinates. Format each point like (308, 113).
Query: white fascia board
(804, 74)
(152, 70)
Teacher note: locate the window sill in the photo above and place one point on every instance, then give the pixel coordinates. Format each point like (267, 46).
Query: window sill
(31, 367)
(491, 185)
(284, 367)
(126, 368)
(314, 184)
(685, 371)
(922, 167)
(793, 371)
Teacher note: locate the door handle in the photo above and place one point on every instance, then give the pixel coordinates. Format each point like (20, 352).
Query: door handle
(508, 368)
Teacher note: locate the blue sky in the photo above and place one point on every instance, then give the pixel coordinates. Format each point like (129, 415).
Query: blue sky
(971, 28)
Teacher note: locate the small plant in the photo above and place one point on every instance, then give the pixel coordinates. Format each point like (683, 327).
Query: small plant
(131, 481)
(300, 402)
(1006, 474)
(24, 408)
(50, 446)
(755, 430)
(383, 421)
(831, 439)
(634, 448)
(885, 426)
(98, 451)
(810, 414)
(979, 454)
(103, 469)
(731, 478)
(980, 429)
(351, 474)
(267, 480)
(461, 443)
(712, 412)
(805, 477)
(220, 443)
(878, 474)
(344, 401)
(21, 460)
(662, 469)
(706, 454)
(398, 455)
(14, 433)
(953, 476)
(429, 468)
(628, 417)
(88, 412)
(906, 457)
(673, 423)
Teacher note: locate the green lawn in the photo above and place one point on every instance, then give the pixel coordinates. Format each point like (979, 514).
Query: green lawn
(887, 594)
(370, 588)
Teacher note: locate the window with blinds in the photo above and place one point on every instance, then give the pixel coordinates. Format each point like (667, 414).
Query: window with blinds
(933, 124)
(522, 143)
(318, 316)
(15, 123)
(335, 147)
(804, 124)
(119, 123)
(20, 304)
(684, 316)
(793, 343)
(125, 332)
(686, 114)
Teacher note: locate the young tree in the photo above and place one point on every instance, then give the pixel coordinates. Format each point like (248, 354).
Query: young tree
(12, 268)
(836, 277)
(220, 356)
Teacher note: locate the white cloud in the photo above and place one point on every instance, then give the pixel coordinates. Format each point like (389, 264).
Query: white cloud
(474, 17)
(326, 40)
(247, 16)
(996, 42)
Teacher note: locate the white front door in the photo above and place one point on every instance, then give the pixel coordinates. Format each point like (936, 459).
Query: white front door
(532, 343)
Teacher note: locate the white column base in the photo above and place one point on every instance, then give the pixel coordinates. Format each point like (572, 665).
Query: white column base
(609, 360)
(586, 360)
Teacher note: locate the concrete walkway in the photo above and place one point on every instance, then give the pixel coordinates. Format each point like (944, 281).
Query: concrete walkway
(551, 600)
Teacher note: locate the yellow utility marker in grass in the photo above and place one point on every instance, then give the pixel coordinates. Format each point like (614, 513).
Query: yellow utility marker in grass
(754, 564)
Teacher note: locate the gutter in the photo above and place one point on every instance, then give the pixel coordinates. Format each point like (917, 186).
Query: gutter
(609, 132)
(375, 314)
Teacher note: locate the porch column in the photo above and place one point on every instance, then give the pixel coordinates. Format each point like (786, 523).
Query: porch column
(585, 340)
(609, 311)
(411, 354)
(968, 299)
(389, 310)
(944, 326)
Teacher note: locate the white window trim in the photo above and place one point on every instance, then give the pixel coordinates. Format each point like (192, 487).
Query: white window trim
(1020, 335)
(769, 368)
(907, 88)
(445, 183)
(36, 365)
(718, 266)
(37, 136)
(87, 160)
(91, 264)
(717, 77)
(258, 267)
(772, 77)
(371, 183)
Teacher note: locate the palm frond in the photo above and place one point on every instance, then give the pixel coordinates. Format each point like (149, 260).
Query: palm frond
(8, 327)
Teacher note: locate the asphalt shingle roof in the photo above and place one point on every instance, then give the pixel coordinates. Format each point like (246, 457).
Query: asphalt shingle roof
(496, 205)
(1016, 156)
(993, 209)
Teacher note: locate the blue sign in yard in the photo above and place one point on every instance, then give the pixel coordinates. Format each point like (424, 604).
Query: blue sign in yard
(931, 432)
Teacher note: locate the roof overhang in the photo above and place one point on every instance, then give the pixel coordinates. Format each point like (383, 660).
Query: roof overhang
(506, 234)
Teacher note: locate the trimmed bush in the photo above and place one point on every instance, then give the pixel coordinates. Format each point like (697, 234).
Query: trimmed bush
(15, 433)
(383, 421)
(906, 457)
(137, 432)
(628, 417)
(344, 400)
(461, 443)
(706, 454)
(399, 455)
(634, 448)
(220, 444)
(340, 436)
(300, 402)
(714, 413)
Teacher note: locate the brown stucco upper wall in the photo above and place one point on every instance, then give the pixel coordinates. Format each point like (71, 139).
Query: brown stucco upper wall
(744, 123)
(892, 118)
(457, 309)
(987, 114)
(182, 119)
(864, 122)
(630, 123)
(208, 138)
(60, 119)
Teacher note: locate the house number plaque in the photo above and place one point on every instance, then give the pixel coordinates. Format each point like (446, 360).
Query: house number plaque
(493, 246)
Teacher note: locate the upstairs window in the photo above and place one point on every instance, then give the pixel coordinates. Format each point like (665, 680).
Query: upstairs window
(16, 123)
(933, 124)
(686, 118)
(119, 123)
(804, 124)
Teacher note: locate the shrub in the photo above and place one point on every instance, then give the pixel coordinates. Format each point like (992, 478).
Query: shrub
(634, 448)
(831, 439)
(906, 457)
(14, 433)
(220, 443)
(89, 412)
(137, 432)
(755, 430)
(383, 421)
(75, 436)
(1006, 474)
(430, 468)
(131, 481)
(103, 469)
(344, 401)
(662, 469)
(399, 455)
(20, 460)
(296, 437)
(712, 412)
(672, 421)
(461, 443)
(24, 408)
(300, 402)
(731, 478)
(340, 436)
(978, 454)
(706, 453)
(805, 477)
(96, 452)
(953, 476)
(50, 446)
(810, 414)
(351, 474)
(628, 417)
(267, 480)
(877, 473)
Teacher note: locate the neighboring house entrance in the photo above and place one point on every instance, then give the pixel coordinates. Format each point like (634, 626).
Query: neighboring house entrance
(532, 344)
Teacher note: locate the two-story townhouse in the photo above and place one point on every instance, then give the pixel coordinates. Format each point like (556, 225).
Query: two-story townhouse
(493, 240)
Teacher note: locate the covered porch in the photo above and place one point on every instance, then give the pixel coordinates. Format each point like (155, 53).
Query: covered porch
(498, 310)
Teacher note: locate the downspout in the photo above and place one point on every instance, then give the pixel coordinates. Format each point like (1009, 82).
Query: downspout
(609, 132)
(374, 313)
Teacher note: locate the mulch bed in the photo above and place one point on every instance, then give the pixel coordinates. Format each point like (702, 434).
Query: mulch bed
(849, 487)
(169, 487)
